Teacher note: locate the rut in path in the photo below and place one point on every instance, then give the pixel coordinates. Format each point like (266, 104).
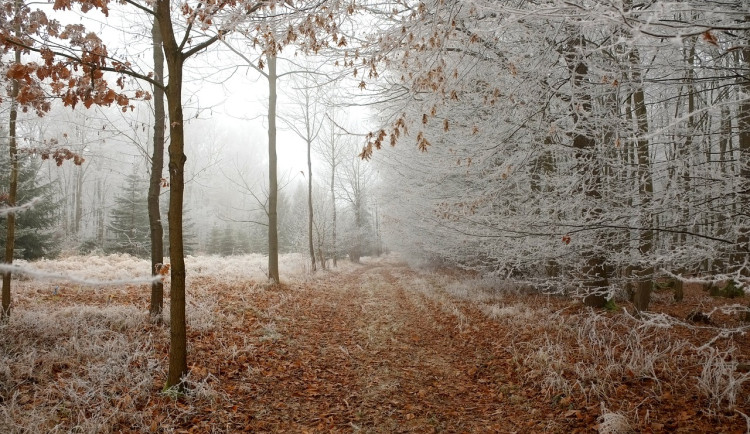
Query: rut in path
(370, 351)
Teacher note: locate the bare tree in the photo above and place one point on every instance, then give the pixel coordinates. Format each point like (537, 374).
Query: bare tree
(306, 121)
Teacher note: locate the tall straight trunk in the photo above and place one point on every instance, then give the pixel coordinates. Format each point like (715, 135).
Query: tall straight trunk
(594, 270)
(99, 213)
(310, 203)
(78, 216)
(273, 186)
(10, 237)
(334, 254)
(379, 247)
(154, 187)
(177, 333)
(742, 250)
(356, 252)
(642, 296)
(743, 123)
(685, 152)
(725, 150)
(333, 222)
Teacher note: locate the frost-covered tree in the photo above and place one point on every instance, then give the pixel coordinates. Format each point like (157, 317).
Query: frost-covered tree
(356, 184)
(582, 147)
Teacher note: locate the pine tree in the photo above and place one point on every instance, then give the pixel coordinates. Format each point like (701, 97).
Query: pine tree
(227, 241)
(188, 228)
(224, 241)
(129, 227)
(35, 234)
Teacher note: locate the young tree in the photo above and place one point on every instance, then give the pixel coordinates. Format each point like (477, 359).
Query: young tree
(331, 150)
(355, 181)
(306, 122)
(129, 218)
(273, 184)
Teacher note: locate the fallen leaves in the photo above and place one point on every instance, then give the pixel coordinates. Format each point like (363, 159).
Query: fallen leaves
(366, 351)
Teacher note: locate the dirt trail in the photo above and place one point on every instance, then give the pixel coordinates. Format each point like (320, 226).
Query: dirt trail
(374, 348)
(365, 352)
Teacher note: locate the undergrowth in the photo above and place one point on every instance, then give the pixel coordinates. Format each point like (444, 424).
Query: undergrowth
(606, 356)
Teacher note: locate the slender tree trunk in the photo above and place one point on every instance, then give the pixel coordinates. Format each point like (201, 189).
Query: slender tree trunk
(333, 209)
(310, 205)
(80, 174)
(154, 187)
(356, 251)
(175, 59)
(685, 153)
(379, 247)
(273, 186)
(99, 213)
(10, 238)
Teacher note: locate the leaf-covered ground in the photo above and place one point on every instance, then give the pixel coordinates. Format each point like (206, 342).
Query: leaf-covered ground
(378, 347)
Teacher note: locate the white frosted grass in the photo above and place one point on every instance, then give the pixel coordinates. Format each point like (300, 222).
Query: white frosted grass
(719, 380)
(611, 422)
(76, 369)
(202, 311)
(99, 268)
(123, 269)
(240, 268)
(512, 312)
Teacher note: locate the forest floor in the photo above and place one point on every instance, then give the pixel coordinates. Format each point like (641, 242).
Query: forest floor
(378, 347)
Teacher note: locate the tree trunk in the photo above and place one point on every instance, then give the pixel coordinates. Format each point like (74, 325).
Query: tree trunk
(679, 290)
(154, 187)
(642, 296)
(685, 152)
(321, 255)
(742, 248)
(78, 200)
(13, 184)
(99, 213)
(310, 204)
(356, 251)
(175, 59)
(594, 271)
(273, 187)
(333, 208)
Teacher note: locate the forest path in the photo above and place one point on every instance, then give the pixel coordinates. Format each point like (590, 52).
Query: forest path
(373, 350)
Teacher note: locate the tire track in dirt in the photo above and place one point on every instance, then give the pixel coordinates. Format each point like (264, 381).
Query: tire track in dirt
(364, 352)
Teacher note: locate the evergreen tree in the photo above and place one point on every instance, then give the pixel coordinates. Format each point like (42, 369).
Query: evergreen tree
(227, 241)
(188, 227)
(129, 227)
(35, 234)
(224, 241)
(213, 242)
